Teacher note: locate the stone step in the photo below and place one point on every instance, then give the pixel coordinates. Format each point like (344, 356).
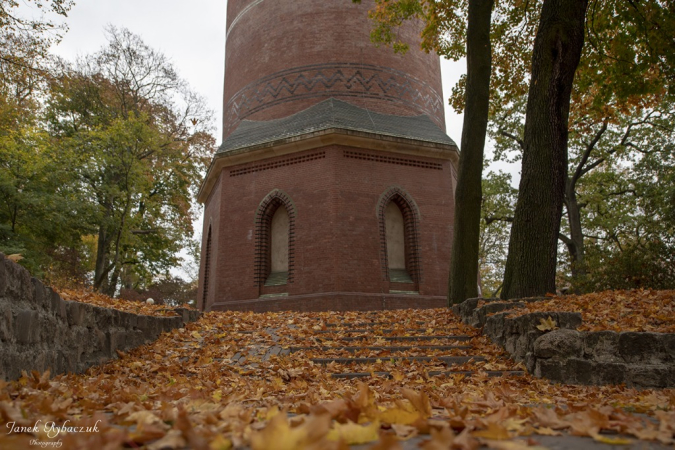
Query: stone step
(383, 348)
(433, 373)
(447, 360)
(385, 330)
(372, 324)
(425, 337)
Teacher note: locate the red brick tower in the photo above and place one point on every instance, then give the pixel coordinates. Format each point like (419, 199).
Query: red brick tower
(333, 188)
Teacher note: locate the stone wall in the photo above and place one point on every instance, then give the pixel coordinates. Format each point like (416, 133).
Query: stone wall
(569, 356)
(41, 331)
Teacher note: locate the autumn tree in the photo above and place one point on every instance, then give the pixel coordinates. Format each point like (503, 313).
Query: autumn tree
(40, 211)
(532, 258)
(29, 27)
(625, 71)
(618, 109)
(137, 139)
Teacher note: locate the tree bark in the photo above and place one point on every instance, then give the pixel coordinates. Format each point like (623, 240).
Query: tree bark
(575, 245)
(100, 272)
(465, 242)
(532, 258)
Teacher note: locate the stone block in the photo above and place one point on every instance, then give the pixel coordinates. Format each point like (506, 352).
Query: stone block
(466, 308)
(58, 306)
(41, 294)
(650, 376)
(530, 362)
(562, 344)
(609, 373)
(640, 347)
(602, 346)
(103, 317)
(75, 312)
(6, 329)
(579, 371)
(128, 320)
(550, 369)
(3, 276)
(27, 327)
(668, 340)
(118, 341)
(571, 320)
(494, 328)
(18, 282)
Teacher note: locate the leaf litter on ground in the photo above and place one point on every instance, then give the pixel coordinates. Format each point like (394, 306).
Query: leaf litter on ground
(186, 390)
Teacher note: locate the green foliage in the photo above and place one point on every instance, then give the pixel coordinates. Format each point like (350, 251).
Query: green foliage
(623, 96)
(99, 163)
(499, 200)
(137, 140)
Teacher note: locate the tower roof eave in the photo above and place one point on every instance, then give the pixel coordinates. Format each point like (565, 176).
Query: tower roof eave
(324, 138)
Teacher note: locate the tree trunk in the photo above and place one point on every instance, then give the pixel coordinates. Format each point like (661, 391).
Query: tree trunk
(575, 245)
(100, 272)
(465, 242)
(531, 262)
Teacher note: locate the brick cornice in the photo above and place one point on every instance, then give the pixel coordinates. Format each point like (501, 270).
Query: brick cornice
(323, 138)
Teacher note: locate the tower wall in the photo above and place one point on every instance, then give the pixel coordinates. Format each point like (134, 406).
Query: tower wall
(283, 56)
(339, 261)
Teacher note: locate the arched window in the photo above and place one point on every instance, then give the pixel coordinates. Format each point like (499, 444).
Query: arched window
(278, 256)
(275, 237)
(395, 232)
(207, 270)
(399, 224)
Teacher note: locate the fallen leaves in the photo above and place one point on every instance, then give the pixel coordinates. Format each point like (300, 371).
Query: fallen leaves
(216, 384)
(547, 324)
(635, 310)
(86, 295)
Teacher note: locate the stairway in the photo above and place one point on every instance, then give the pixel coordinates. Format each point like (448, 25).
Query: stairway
(360, 349)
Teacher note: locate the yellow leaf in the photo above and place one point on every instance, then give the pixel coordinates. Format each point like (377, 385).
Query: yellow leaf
(545, 431)
(400, 416)
(220, 443)
(612, 440)
(419, 401)
(279, 435)
(494, 431)
(15, 257)
(547, 324)
(354, 434)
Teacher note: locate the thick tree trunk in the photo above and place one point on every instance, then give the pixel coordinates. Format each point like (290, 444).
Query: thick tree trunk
(531, 262)
(465, 241)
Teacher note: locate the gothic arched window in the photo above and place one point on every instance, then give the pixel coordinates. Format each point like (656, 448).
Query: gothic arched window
(399, 223)
(275, 236)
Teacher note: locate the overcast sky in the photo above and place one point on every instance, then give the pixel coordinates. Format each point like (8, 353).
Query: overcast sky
(192, 34)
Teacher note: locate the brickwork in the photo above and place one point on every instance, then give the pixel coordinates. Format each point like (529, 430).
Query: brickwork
(335, 170)
(337, 246)
(310, 51)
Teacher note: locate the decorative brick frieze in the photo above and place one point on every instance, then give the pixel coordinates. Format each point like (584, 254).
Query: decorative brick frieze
(276, 164)
(392, 160)
(338, 80)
